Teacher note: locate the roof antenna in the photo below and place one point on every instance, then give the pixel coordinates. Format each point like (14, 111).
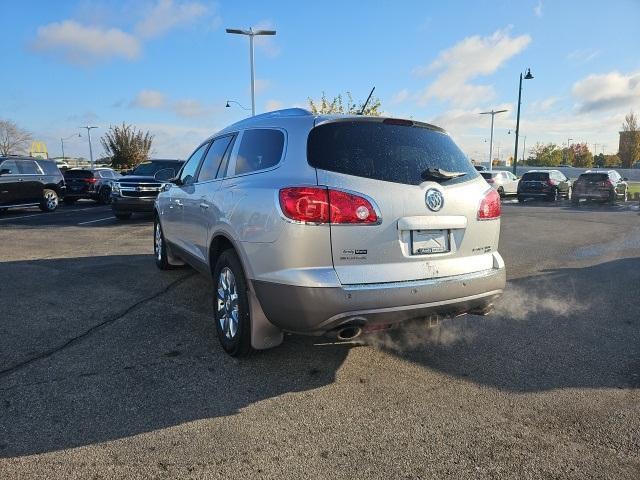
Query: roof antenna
(365, 103)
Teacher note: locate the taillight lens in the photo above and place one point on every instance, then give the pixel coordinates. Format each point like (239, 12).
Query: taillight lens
(350, 208)
(305, 204)
(490, 180)
(90, 180)
(490, 207)
(551, 183)
(323, 205)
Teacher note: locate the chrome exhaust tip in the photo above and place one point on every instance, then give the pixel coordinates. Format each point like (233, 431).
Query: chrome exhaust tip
(349, 333)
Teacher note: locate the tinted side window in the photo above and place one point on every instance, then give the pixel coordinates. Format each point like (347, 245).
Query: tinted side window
(212, 160)
(260, 149)
(189, 171)
(49, 168)
(29, 167)
(11, 166)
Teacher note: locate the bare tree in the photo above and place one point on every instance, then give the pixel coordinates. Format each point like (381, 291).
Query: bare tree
(630, 122)
(13, 139)
(336, 105)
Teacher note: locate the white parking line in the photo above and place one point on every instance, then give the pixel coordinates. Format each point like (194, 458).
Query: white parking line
(94, 221)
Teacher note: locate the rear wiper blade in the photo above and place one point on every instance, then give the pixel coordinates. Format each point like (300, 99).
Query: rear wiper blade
(440, 174)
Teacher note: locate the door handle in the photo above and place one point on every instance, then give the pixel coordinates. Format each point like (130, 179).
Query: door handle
(204, 205)
(21, 179)
(178, 203)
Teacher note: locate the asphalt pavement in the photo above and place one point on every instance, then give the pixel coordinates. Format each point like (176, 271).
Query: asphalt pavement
(109, 368)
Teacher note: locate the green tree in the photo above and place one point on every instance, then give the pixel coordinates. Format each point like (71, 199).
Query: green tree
(611, 161)
(629, 141)
(126, 146)
(582, 157)
(545, 155)
(338, 106)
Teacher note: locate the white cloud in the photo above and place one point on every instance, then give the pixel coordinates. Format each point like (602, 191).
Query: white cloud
(166, 15)
(187, 107)
(584, 55)
(267, 43)
(273, 105)
(84, 45)
(537, 10)
(608, 91)
(149, 99)
(399, 97)
(261, 84)
(470, 58)
(544, 105)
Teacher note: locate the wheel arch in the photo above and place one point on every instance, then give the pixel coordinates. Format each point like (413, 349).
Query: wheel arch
(221, 242)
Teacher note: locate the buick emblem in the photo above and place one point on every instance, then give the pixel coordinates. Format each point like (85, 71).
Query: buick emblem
(434, 199)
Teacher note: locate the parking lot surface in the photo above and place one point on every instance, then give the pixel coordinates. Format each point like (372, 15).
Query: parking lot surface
(110, 368)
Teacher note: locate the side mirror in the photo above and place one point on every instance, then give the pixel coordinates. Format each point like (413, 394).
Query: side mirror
(5, 171)
(176, 181)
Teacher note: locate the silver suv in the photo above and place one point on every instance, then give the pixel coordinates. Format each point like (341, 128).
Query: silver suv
(335, 225)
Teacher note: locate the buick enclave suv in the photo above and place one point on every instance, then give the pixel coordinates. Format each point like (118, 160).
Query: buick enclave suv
(338, 225)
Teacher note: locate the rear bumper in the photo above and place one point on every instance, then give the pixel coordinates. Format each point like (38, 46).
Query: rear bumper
(536, 194)
(132, 204)
(593, 194)
(318, 310)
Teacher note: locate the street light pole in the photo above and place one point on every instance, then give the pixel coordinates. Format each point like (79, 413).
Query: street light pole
(251, 33)
(527, 76)
(524, 147)
(90, 147)
(493, 113)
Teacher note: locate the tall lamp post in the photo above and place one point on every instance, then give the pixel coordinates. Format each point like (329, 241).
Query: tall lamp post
(67, 138)
(90, 147)
(493, 113)
(527, 76)
(251, 33)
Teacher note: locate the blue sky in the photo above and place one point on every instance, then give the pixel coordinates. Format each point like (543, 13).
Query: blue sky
(168, 66)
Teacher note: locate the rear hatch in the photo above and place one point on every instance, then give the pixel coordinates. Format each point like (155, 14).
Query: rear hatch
(592, 183)
(79, 181)
(397, 166)
(533, 182)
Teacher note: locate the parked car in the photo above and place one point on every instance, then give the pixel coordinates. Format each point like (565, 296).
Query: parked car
(94, 184)
(136, 191)
(30, 182)
(605, 186)
(505, 183)
(544, 184)
(335, 225)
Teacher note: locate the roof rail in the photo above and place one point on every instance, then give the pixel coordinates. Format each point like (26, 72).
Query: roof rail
(285, 112)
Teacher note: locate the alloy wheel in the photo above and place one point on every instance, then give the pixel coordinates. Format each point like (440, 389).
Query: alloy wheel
(158, 242)
(51, 200)
(227, 303)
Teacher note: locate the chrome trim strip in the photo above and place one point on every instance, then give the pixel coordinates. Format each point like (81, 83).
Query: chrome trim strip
(422, 283)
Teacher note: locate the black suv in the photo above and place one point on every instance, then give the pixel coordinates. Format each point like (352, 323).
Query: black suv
(544, 184)
(94, 184)
(137, 191)
(30, 182)
(605, 186)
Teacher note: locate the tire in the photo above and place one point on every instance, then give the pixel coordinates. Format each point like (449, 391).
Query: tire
(70, 201)
(159, 246)
(575, 202)
(122, 215)
(553, 197)
(104, 196)
(231, 305)
(50, 200)
(501, 192)
(520, 199)
(612, 198)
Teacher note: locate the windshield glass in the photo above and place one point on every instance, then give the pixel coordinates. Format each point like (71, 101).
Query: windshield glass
(536, 176)
(393, 153)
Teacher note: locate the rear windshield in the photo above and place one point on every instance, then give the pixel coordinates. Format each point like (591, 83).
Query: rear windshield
(78, 174)
(594, 177)
(151, 168)
(393, 153)
(487, 175)
(536, 176)
(49, 168)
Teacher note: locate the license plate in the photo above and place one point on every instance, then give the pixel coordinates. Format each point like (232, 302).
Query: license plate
(429, 241)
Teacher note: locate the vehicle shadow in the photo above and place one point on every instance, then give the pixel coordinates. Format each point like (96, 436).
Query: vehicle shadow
(115, 348)
(144, 357)
(565, 328)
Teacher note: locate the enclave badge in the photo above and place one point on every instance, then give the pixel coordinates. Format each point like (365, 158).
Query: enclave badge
(434, 199)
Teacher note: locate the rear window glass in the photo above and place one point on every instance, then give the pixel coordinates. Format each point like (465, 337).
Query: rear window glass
(392, 153)
(49, 168)
(536, 176)
(487, 175)
(259, 149)
(149, 169)
(78, 174)
(594, 177)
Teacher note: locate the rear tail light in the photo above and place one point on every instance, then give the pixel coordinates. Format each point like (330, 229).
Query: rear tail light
(490, 180)
(323, 205)
(490, 207)
(551, 183)
(90, 180)
(606, 183)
